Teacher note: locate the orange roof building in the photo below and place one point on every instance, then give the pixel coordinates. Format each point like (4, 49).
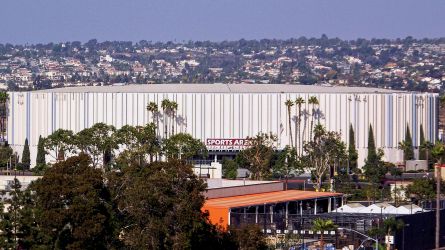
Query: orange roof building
(256, 206)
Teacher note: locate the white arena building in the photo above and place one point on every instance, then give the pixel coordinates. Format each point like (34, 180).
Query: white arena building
(222, 111)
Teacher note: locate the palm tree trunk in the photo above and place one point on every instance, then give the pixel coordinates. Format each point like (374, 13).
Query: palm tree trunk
(165, 126)
(173, 123)
(157, 124)
(290, 127)
(300, 140)
(303, 135)
(312, 125)
(296, 129)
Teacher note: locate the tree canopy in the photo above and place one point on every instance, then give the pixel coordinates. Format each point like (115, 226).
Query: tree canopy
(72, 206)
(168, 211)
(407, 145)
(375, 168)
(258, 155)
(183, 146)
(26, 157)
(352, 150)
(323, 153)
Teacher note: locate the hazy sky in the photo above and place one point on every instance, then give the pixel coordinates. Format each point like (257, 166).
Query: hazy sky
(34, 21)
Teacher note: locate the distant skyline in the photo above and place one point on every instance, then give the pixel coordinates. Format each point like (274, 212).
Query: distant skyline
(43, 21)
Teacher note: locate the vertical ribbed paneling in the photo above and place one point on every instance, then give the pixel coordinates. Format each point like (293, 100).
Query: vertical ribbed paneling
(228, 115)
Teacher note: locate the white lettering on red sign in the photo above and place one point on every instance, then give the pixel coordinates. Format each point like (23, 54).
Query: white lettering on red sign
(227, 143)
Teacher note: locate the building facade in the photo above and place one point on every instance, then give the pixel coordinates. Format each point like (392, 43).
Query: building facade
(232, 112)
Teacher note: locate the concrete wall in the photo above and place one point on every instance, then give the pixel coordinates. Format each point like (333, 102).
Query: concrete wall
(229, 115)
(24, 180)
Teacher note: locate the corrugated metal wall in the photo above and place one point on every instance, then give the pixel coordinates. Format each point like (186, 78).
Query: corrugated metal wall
(228, 115)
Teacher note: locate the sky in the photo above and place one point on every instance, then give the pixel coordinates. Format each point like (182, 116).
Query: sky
(42, 21)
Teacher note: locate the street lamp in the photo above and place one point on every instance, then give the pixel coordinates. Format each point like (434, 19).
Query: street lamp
(362, 234)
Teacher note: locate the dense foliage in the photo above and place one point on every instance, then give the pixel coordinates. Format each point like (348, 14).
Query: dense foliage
(258, 156)
(115, 189)
(352, 150)
(375, 168)
(77, 206)
(323, 155)
(407, 145)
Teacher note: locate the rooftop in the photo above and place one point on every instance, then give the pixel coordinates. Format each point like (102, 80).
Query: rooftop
(266, 198)
(218, 88)
(225, 183)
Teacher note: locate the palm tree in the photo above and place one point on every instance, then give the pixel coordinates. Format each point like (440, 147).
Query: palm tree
(4, 97)
(426, 146)
(391, 226)
(299, 101)
(322, 225)
(313, 101)
(152, 107)
(173, 108)
(404, 146)
(289, 104)
(165, 105)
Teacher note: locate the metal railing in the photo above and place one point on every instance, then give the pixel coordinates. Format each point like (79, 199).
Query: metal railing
(359, 222)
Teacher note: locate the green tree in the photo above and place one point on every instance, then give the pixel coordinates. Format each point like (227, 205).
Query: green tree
(407, 146)
(138, 142)
(287, 163)
(152, 107)
(323, 154)
(422, 190)
(392, 225)
(425, 147)
(249, 237)
(312, 101)
(59, 143)
(372, 151)
(422, 150)
(95, 142)
(183, 146)
(40, 159)
(4, 98)
(26, 157)
(5, 155)
(374, 168)
(352, 150)
(229, 168)
(165, 105)
(10, 219)
(389, 227)
(298, 135)
(75, 215)
(6, 226)
(167, 215)
(258, 155)
(17, 222)
(173, 108)
(321, 225)
(289, 105)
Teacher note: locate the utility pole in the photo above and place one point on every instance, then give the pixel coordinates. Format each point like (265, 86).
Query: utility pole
(438, 179)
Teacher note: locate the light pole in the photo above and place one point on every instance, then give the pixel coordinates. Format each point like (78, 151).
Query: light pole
(362, 234)
(200, 161)
(403, 236)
